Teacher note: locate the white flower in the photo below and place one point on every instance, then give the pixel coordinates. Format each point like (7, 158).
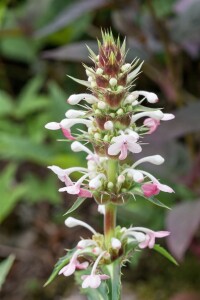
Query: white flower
(144, 236)
(74, 264)
(72, 222)
(93, 280)
(153, 159)
(157, 115)
(68, 123)
(151, 97)
(73, 114)
(122, 143)
(76, 98)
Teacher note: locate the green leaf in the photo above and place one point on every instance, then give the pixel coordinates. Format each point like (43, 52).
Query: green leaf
(9, 191)
(157, 202)
(165, 253)
(41, 190)
(114, 283)
(76, 204)
(6, 104)
(151, 199)
(59, 265)
(5, 267)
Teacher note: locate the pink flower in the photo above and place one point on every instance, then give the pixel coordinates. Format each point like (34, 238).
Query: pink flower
(123, 143)
(151, 189)
(74, 264)
(75, 189)
(150, 238)
(57, 126)
(152, 124)
(144, 236)
(93, 281)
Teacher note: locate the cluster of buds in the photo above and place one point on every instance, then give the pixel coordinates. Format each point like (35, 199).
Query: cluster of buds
(116, 119)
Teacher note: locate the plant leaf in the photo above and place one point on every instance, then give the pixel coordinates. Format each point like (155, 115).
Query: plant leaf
(76, 204)
(5, 267)
(83, 82)
(114, 283)
(70, 14)
(59, 265)
(9, 191)
(165, 253)
(157, 202)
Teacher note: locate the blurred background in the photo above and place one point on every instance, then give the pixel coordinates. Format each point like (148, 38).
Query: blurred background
(41, 42)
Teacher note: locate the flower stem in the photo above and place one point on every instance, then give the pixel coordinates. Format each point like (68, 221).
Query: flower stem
(110, 208)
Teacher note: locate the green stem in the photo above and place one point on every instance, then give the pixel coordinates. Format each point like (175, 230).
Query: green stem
(110, 208)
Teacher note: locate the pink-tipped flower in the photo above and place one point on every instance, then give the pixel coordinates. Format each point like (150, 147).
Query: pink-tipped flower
(151, 189)
(150, 238)
(57, 126)
(75, 189)
(74, 264)
(123, 143)
(152, 123)
(144, 236)
(94, 280)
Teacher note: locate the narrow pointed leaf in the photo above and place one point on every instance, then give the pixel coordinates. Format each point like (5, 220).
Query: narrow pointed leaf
(5, 267)
(134, 73)
(83, 82)
(114, 283)
(157, 202)
(76, 204)
(165, 253)
(59, 265)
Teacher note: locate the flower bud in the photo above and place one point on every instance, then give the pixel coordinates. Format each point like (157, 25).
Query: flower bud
(120, 112)
(97, 136)
(125, 67)
(99, 71)
(101, 105)
(121, 179)
(115, 243)
(110, 185)
(113, 81)
(108, 125)
(97, 250)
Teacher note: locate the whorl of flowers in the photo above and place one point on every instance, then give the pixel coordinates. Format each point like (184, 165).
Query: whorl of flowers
(116, 118)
